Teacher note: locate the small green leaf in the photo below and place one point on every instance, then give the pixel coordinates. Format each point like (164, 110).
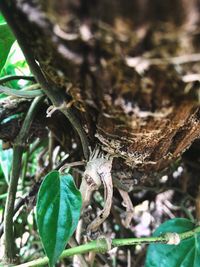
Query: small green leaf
(2, 20)
(6, 161)
(57, 211)
(6, 40)
(186, 254)
(16, 65)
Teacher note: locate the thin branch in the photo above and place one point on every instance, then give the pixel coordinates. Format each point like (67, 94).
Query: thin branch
(18, 148)
(102, 245)
(70, 165)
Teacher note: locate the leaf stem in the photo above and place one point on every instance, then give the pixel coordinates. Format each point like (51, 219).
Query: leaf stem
(25, 167)
(101, 246)
(18, 149)
(8, 78)
(188, 234)
(20, 93)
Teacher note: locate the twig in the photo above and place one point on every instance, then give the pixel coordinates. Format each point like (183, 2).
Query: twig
(91, 258)
(129, 258)
(101, 245)
(18, 148)
(50, 150)
(73, 243)
(129, 207)
(71, 164)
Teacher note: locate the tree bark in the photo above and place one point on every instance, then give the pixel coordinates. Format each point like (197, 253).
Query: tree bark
(124, 65)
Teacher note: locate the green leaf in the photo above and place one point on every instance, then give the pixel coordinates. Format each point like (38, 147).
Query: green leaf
(16, 65)
(6, 40)
(57, 212)
(6, 161)
(2, 20)
(186, 254)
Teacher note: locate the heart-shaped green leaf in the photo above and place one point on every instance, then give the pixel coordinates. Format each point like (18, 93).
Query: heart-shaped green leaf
(57, 212)
(186, 254)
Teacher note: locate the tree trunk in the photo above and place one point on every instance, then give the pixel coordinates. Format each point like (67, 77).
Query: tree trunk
(126, 68)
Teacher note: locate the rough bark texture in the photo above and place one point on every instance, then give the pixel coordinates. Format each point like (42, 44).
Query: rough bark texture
(115, 60)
